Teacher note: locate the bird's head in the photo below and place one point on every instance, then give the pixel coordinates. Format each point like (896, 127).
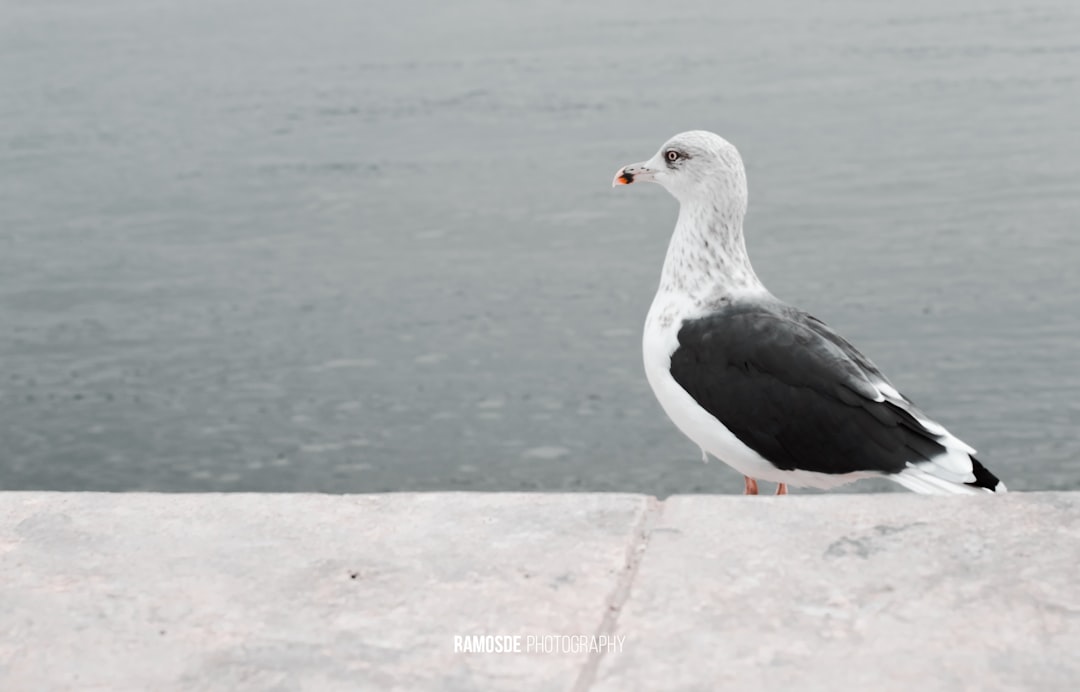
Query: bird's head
(695, 166)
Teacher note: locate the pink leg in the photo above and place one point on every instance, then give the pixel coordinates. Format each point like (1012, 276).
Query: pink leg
(781, 489)
(751, 486)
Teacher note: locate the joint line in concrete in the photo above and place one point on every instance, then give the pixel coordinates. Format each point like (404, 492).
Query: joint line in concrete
(635, 552)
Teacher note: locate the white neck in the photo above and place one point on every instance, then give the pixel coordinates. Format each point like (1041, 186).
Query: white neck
(706, 259)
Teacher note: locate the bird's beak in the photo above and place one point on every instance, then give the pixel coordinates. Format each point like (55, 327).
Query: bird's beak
(634, 173)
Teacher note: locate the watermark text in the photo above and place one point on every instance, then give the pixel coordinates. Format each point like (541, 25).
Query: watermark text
(537, 643)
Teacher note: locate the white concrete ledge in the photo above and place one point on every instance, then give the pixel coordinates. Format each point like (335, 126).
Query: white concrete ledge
(323, 592)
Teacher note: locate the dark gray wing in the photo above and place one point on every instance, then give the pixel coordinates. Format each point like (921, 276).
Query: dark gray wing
(843, 344)
(800, 397)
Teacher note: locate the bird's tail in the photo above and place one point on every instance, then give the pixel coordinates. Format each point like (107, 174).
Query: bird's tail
(920, 478)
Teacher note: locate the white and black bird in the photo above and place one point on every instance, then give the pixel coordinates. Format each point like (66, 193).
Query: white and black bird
(758, 383)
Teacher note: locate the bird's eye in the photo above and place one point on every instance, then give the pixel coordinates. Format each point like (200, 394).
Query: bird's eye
(672, 155)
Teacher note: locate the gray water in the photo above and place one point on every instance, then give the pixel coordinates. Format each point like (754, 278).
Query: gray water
(347, 246)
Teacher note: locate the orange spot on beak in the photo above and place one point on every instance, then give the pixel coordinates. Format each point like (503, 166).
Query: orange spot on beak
(622, 177)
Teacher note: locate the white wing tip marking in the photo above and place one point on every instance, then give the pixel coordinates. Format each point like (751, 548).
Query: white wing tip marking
(921, 481)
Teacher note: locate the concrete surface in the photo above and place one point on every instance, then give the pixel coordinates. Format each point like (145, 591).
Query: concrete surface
(323, 592)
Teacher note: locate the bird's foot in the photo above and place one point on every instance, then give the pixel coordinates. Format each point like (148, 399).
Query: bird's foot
(781, 489)
(751, 486)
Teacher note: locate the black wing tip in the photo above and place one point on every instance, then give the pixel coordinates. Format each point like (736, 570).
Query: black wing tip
(984, 479)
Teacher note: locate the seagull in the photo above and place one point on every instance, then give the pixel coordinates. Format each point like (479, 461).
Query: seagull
(757, 383)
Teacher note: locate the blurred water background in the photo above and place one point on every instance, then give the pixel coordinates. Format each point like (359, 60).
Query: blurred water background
(357, 246)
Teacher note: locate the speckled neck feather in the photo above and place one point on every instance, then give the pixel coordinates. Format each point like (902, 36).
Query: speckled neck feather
(706, 259)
